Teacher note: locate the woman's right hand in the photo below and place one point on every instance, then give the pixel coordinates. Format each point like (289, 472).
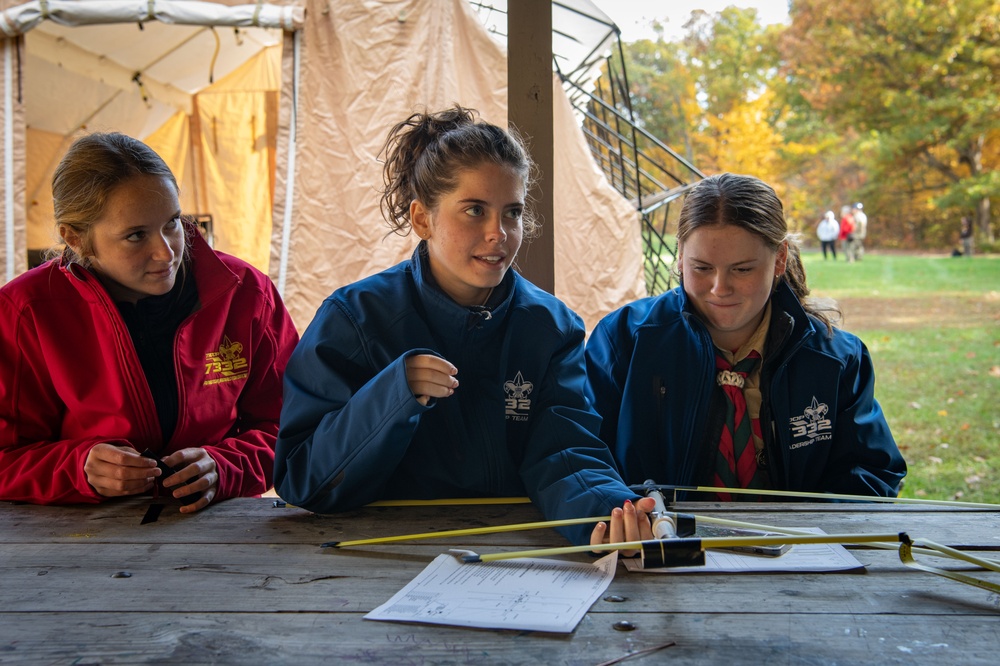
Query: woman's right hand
(628, 523)
(115, 471)
(430, 376)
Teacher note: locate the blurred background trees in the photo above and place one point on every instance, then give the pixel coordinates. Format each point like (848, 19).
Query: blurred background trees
(893, 103)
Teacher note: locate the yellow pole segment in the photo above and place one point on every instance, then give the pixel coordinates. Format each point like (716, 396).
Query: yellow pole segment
(708, 542)
(830, 496)
(464, 532)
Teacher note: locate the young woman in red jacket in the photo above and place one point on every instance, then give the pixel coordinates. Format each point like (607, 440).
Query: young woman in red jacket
(137, 336)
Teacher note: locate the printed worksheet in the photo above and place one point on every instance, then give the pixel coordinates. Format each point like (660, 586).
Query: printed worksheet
(813, 557)
(526, 594)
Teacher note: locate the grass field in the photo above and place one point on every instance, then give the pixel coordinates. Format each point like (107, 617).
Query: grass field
(932, 325)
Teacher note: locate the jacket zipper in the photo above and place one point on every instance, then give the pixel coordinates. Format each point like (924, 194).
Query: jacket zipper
(138, 387)
(772, 447)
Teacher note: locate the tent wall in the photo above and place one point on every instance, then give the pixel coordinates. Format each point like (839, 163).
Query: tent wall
(365, 67)
(222, 154)
(599, 263)
(45, 149)
(233, 141)
(208, 105)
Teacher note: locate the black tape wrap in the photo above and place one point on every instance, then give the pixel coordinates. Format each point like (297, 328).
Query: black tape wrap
(672, 553)
(685, 524)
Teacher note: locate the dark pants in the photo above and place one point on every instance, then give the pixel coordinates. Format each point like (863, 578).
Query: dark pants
(833, 248)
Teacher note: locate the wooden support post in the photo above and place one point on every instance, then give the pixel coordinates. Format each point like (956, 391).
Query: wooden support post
(529, 104)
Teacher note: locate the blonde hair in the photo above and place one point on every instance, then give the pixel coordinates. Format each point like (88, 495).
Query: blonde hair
(93, 167)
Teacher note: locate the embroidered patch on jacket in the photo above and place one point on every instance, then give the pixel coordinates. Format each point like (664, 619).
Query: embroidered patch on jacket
(227, 364)
(812, 426)
(518, 404)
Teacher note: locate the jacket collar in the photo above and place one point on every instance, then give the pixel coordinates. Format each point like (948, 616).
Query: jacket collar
(449, 319)
(213, 277)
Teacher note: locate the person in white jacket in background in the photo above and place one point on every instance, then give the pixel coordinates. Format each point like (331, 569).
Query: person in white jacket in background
(827, 231)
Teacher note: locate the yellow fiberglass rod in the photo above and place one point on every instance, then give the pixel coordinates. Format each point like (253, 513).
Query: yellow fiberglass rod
(516, 527)
(699, 543)
(834, 496)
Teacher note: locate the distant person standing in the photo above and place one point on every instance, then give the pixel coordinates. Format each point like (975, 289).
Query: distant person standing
(860, 231)
(828, 231)
(847, 233)
(966, 235)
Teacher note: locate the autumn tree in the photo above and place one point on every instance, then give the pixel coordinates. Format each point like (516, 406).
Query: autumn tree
(706, 96)
(892, 102)
(662, 92)
(913, 87)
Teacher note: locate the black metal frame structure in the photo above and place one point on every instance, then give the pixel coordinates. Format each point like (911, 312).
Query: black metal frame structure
(647, 172)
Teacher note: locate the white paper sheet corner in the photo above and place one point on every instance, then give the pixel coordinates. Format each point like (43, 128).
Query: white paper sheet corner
(525, 594)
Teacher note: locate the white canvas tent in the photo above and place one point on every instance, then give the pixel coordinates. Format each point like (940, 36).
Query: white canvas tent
(206, 98)
(275, 132)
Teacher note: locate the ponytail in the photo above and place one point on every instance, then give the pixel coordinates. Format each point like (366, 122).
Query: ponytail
(425, 153)
(824, 309)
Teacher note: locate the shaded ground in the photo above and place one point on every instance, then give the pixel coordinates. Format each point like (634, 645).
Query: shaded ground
(862, 314)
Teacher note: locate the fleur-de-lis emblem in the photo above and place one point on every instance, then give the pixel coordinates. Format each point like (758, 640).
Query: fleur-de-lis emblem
(518, 388)
(816, 411)
(229, 350)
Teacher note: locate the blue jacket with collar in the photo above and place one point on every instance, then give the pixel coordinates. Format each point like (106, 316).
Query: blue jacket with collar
(651, 376)
(518, 423)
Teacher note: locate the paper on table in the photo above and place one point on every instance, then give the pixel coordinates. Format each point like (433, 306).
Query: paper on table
(813, 557)
(526, 594)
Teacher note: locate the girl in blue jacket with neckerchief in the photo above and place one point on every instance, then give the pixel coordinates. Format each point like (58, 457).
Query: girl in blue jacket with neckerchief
(449, 375)
(736, 378)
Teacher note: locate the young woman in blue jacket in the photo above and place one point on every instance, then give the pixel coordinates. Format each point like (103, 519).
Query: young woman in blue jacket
(449, 375)
(660, 369)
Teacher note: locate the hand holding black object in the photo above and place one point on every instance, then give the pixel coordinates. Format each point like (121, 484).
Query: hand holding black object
(166, 470)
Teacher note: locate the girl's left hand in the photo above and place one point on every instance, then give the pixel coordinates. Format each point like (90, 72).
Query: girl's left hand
(196, 472)
(629, 523)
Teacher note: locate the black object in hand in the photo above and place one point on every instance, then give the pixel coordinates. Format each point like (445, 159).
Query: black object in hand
(166, 470)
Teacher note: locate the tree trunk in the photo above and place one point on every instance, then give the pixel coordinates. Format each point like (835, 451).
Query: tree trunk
(975, 160)
(983, 220)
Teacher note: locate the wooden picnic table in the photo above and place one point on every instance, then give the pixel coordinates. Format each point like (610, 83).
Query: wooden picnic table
(246, 582)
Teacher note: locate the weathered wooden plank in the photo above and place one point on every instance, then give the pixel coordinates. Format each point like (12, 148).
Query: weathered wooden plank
(257, 521)
(293, 578)
(336, 638)
(245, 520)
(245, 582)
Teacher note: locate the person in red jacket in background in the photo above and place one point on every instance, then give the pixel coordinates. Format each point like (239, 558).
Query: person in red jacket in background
(137, 336)
(847, 233)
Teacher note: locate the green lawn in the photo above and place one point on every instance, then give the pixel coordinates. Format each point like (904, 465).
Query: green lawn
(932, 325)
(888, 276)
